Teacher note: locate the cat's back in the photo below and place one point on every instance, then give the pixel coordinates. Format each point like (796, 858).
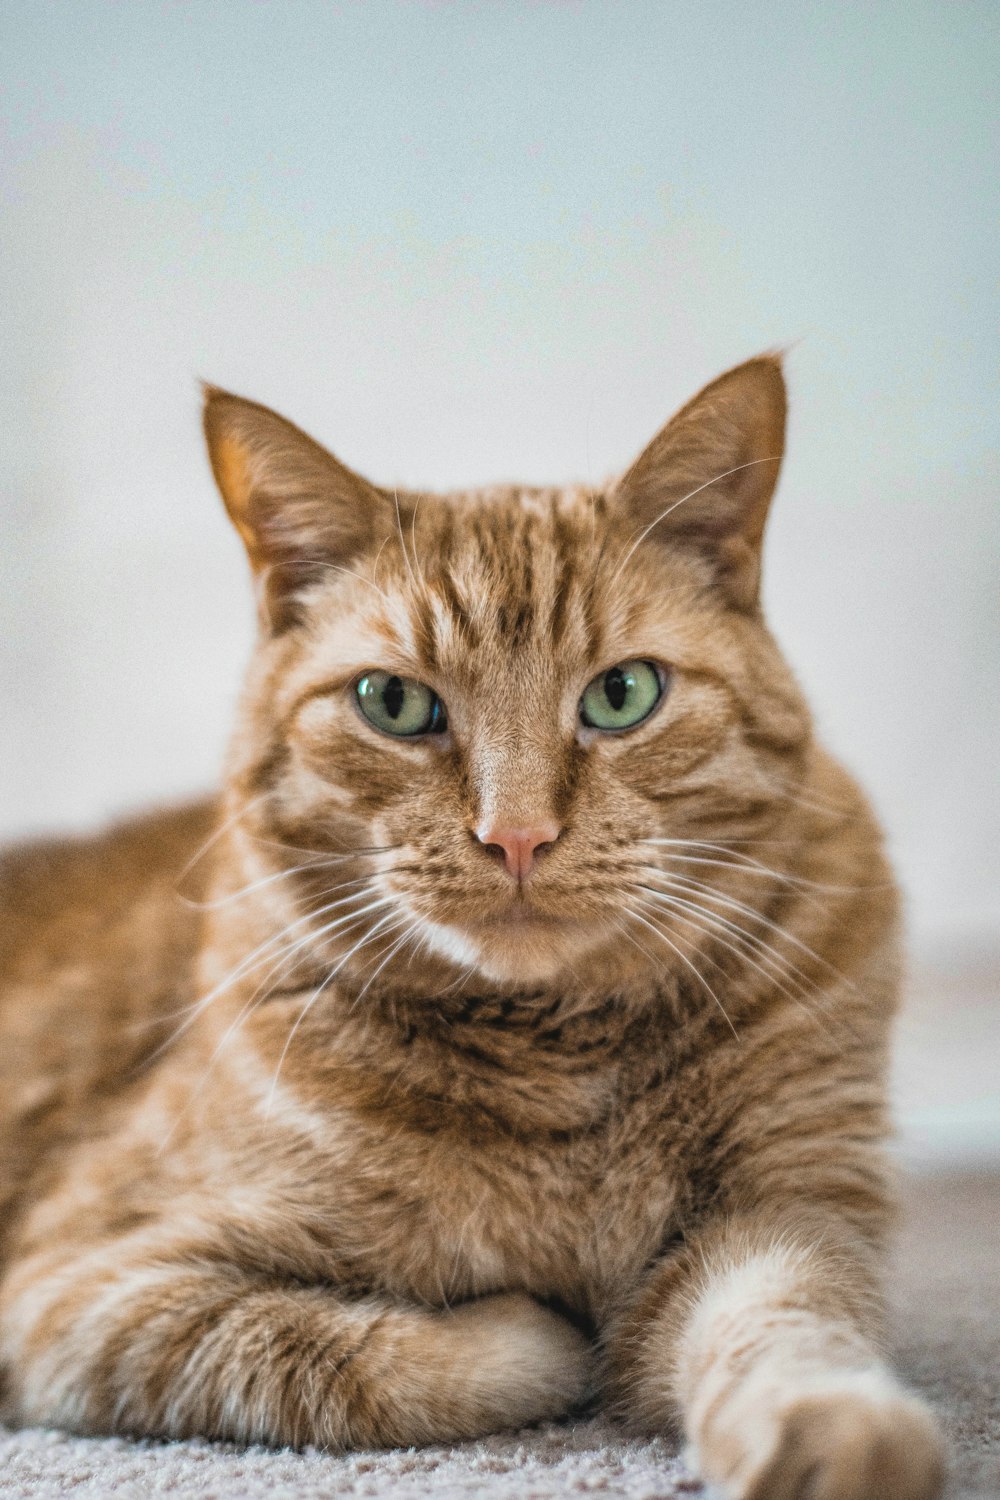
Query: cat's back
(95, 959)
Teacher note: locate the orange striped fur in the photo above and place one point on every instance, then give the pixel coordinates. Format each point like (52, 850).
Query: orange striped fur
(319, 1127)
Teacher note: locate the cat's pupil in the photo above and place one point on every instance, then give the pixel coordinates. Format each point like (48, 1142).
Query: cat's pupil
(616, 688)
(393, 695)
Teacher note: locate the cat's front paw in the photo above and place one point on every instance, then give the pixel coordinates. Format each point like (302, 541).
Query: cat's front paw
(529, 1362)
(422, 1376)
(861, 1440)
(518, 1362)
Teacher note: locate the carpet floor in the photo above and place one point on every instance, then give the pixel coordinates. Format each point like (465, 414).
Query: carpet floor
(946, 1293)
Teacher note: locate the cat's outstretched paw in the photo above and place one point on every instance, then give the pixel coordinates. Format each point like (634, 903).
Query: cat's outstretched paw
(869, 1441)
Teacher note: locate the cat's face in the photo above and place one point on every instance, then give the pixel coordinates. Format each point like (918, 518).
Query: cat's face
(515, 696)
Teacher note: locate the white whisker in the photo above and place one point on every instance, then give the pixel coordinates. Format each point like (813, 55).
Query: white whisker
(339, 568)
(338, 966)
(413, 928)
(684, 959)
(267, 880)
(714, 927)
(683, 501)
(322, 855)
(700, 888)
(217, 833)
(260, 953)
(402, 541)
(413, 539)
(801, 998)
(743, 864)
(259, 997)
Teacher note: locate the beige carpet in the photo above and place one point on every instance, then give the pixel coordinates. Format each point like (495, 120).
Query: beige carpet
(947, 1291)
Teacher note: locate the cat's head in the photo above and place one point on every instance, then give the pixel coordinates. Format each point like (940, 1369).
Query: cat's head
(521, 700)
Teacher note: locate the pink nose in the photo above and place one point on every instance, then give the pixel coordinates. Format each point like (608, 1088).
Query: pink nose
(519, 846)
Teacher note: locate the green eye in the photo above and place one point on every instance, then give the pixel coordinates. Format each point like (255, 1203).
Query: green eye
(398, 705)
(621, 697)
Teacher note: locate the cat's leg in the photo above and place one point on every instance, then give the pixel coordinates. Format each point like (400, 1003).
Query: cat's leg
(149, 1334)
(759, 1338)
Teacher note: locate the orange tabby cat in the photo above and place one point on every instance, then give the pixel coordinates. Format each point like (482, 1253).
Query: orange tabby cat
(523, 1035)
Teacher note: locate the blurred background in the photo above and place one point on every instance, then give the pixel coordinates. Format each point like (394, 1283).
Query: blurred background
(466, 242)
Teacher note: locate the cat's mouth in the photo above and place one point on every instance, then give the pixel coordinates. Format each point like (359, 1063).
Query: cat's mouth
(521, 915)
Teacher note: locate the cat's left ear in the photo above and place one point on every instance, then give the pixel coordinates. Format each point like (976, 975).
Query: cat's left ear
(298, 509)
(706, 480)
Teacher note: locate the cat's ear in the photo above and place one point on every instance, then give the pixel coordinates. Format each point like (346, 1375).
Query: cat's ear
(297, 508)
(707, 478)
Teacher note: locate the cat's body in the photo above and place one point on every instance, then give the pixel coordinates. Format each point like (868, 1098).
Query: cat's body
(519, 1009)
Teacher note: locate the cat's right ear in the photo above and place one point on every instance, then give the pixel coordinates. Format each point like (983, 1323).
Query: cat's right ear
(705, 481)
(297, 508)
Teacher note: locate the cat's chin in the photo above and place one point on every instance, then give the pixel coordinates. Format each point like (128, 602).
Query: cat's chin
(521, 965)
(512, 952)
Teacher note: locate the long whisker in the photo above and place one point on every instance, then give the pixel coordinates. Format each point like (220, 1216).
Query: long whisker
(597, 565)
(407, 937)
(684, 959)
(748, 870)
(249, 1006)
(339, 568)
(682, 501)
(800, 999)
(641, 947)
(402, 540)
(311, 1001)
(734, 856)
(701, 888)
(324, 854)
(778, 972)
(259, 955)
(199, 1004)
(464, 973)
(651, 907)
(815, 801)
(725, 924)
(804, 996)
(706, 956)
(349, 919)
(253, 1004)
(267, 880)
(321, 862)
(217, 833)
(413, 539)
(744, 864)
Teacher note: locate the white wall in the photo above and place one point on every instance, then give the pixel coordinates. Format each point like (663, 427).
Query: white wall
(475, 241)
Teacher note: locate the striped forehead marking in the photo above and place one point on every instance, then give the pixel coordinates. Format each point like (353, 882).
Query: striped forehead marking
(512, 572)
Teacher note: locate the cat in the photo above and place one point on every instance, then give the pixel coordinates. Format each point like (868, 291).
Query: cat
(509, 1035)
